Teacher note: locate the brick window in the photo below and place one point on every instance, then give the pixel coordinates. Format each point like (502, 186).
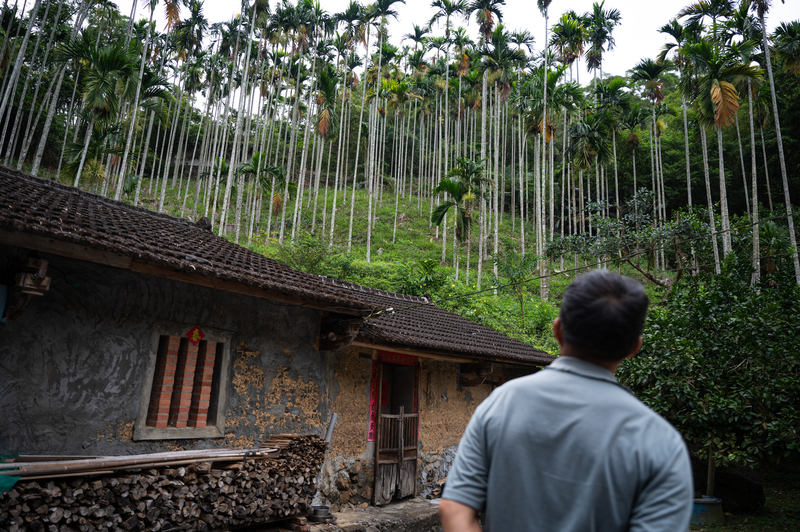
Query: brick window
(186, 389)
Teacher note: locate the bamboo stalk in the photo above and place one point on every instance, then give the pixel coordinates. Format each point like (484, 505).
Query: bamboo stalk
(81, 474)
(166, 455)
(139, 463)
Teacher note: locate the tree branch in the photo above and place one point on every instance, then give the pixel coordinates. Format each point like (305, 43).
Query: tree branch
(650, 277)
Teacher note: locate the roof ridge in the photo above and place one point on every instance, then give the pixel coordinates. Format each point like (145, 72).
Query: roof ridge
(384, 293)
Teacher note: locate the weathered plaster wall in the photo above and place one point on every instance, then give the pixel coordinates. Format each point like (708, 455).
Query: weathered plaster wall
(347, 477)
(352, 403)
(72, 367)
(445, 412)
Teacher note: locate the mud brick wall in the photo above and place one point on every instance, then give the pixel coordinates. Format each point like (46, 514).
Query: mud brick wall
(445, 412)
(73, 365)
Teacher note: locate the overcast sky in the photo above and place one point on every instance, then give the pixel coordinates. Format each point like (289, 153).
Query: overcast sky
(637, 36)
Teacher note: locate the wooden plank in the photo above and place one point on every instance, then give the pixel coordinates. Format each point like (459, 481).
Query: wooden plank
(441, 355)
(155, 270)
(408, 478)
(173, 455)
(52, 457)
(91, 473)
(63, 249)
(385, 482)
(84, 253)
(135, 461)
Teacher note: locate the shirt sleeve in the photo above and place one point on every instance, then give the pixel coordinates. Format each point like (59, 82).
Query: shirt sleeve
(665, 503)
(469, 477)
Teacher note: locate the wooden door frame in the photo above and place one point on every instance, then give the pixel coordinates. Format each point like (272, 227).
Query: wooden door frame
(403, 469)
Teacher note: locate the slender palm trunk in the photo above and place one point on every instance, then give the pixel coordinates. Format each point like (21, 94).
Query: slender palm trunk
(339, 146)
(723, 199)
(521, 165)
(496, 184)
(18, 62)
(358, 148)
(766, 168)
(686, 149)
(168, 155)
(131, 128)
(7, 30)
(756, 244)
(712, 223)
(292, 148)
(145, 149)
(484, 104)
(234, 161)
(616, 179)
(781, 156)
(17, 123)
(744, 172)
(85, 151)
(31, 128)
(373, 149)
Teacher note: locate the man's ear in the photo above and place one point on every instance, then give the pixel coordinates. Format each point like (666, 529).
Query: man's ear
(635, 348)
(558, 331)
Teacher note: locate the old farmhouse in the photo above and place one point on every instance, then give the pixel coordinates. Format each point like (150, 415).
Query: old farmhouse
(125, 331)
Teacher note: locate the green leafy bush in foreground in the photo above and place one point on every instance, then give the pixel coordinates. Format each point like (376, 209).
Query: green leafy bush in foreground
(721, 361)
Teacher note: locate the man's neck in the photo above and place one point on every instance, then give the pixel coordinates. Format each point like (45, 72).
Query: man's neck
(609, 365)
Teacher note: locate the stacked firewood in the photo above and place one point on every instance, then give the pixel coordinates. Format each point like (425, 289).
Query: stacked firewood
(259, 486)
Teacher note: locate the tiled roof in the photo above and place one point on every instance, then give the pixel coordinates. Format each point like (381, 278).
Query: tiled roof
(38, 206)
(415, 322)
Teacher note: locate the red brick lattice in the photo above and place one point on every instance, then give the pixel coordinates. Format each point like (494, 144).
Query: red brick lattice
(180, 396)
(203, 379)
(184, 381)
(163, 382)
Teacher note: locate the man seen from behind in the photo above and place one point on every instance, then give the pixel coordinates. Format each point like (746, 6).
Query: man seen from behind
(569, 449)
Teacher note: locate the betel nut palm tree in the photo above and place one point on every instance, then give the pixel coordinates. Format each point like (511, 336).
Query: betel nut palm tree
(761, 8)
(487, 13)
(719, 72)
(680, 36)
(649, 73)
(459, 185)
(600, 28)
(109, 75)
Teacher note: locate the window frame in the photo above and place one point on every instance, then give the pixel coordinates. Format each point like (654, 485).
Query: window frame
(142, 432)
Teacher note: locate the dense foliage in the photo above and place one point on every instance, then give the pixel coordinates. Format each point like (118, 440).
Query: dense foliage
(721, 361)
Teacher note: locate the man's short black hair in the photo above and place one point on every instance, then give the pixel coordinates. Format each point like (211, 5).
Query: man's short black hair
(603, 313)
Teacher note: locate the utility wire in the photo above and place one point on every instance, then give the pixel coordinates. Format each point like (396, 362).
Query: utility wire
(393, 310)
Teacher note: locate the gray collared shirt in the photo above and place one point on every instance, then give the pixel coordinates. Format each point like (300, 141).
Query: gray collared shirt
(569, 449)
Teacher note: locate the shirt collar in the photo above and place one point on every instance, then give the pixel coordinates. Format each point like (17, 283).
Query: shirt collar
(582, 368)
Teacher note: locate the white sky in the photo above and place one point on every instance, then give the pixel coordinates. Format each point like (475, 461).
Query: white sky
(636, 37)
